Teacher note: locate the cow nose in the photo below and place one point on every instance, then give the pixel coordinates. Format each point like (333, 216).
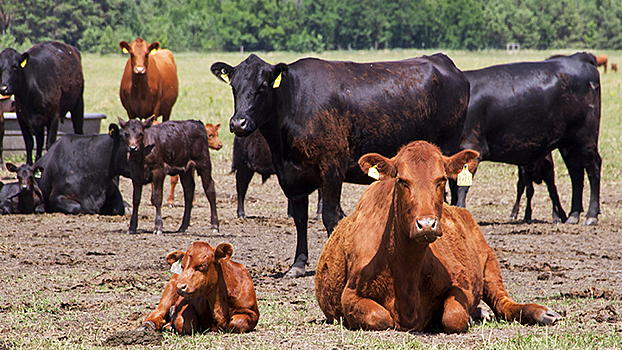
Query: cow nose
(238, 125)
(140, 70)
(133, 148)
(24, 187)
(426, 225)
(182, 288)
(4, 89)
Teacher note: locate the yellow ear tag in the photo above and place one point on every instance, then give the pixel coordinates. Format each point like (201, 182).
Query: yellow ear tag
(23, 64)
(153, 51)
(277, 81)
(373, 172)
(465, 178)
(125, 50)
(225, 77)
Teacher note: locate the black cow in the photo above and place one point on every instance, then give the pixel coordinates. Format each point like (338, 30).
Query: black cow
(175, 147)
(23, 196)
(81, 173)
(541, 170)
(47, 83)
(520, 112)
(320, 117)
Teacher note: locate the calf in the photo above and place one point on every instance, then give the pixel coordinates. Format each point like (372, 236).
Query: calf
(47, 82)
(81, 173)
(6, 105)
(214, 143)
(23, 196)
(211, 292)
(542, 170)
(170, 148)
(149, 85)
(404, 259)
(614, 67)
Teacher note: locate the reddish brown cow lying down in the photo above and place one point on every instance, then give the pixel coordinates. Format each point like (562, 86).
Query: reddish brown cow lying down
(406, 260)
(211, 293)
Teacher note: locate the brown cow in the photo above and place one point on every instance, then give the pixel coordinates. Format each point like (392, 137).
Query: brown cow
(6, 105)
(614, 67)
(149, 84)
(404, 259)
(211, 293)
(601, 60)
(214, 143)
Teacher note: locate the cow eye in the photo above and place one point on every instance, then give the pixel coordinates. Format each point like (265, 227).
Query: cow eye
(263, 87)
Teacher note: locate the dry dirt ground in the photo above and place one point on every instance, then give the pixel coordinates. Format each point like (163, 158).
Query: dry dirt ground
(82, 280)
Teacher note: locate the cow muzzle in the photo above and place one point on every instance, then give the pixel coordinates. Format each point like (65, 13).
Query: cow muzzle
(184, 290)
(241, 126)
(4, 90)
(427, 229)
(140, 70)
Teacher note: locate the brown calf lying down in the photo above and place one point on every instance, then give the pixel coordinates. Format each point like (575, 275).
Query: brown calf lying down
(211, 293)
(214, 143)
(406, 260)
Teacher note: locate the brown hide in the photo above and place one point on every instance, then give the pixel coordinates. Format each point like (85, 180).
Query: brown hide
(388, 265)
(149, 85)
(601, 60)
(211, 293)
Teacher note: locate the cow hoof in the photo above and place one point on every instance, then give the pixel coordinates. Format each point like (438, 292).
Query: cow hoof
(482, 315)
(295, 272)
(549, 317)
(591, 222)
(157, 231)
(132, 232)
(146, 325)
(215, 229)
(572, 220)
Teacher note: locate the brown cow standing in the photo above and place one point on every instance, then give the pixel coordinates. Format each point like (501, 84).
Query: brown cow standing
(176, 147)
(211, 293)
(214, 143)
(406, 260)
(601, 60)
(6, 105)
(149, 84)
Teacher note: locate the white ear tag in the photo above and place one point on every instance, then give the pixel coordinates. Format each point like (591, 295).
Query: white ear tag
(37, 174)
(373, 173)
(176, 267)
(277, 81)
(465, 178)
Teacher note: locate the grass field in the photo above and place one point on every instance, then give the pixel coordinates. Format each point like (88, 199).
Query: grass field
(206, 98)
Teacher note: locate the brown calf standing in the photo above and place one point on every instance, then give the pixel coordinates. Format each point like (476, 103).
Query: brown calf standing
(211, 293)
(214, 143)
(23, 196)
(149, 85)
(404, 259)
(170, 148)
(6, 105)
(614, 67)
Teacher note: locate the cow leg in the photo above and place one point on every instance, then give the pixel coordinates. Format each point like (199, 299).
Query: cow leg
(114, 201)
(171, 196)
(364, 313)
(210, 192)
(455, 316)
(136, 196)
(187, 183)
(243, 177)
(559, 215)
(530, 192)
(520, 189)
(51, 137)
(593, 166)
(28, 137)
(1, 138)
(161, 315)
(300, 207)
(331, 195)
(575, 170)
(77, 116)
(62, 204)
(503, 306)
(241, 323)
(156, 201)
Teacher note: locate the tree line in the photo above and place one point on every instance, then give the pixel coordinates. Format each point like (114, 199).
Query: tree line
(313, 25)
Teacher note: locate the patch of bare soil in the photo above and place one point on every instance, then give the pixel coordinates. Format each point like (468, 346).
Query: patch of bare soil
(83, 280)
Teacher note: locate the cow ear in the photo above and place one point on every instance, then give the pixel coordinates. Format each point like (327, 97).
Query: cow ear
(149, 121)
(113, 131)
(148, 149)
(217, 127)
(24, 59)
(154, 47)
(377, 166)
(121, 122)
(222, 71)
(172, 257)
(223, 251)
(125, 46)
(277, 74)
(456, 163)
(11, 167)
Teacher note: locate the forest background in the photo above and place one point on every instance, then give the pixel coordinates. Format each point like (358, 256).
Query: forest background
(313, 25)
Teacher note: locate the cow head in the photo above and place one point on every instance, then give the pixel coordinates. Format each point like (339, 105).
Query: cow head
(119, 151)
(139, 54)
(419, 172)
(12, 65)
(135, 133)
(200, 267)
(26, 175)
(254, 83)
(212, 136)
